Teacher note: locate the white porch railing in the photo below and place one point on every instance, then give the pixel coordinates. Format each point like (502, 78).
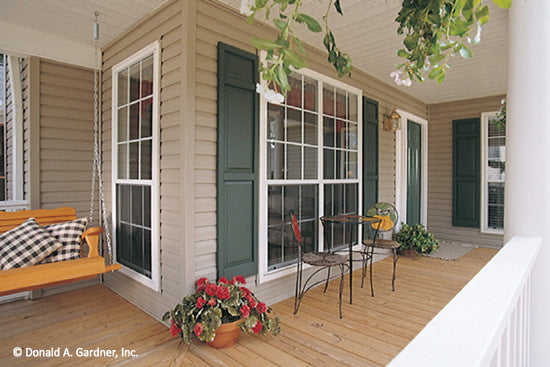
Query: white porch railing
(14, 205)
(488, 322)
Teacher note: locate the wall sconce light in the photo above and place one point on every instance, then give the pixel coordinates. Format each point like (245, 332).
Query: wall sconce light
(392, 122)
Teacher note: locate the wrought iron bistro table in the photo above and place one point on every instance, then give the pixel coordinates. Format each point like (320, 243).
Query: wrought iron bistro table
(350, 220)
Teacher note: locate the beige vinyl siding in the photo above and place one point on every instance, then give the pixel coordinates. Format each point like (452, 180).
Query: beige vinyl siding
(440, 161)
(164, 25)
(66, 136)
(217, 22)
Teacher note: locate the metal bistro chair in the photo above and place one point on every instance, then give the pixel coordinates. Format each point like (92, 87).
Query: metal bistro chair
(389, 217)
(322, 260)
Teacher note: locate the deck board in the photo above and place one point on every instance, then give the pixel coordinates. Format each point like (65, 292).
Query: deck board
(372, 332)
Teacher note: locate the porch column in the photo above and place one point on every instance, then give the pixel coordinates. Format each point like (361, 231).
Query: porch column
(527, 197)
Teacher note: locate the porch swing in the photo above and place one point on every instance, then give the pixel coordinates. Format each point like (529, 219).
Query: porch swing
(56, 273)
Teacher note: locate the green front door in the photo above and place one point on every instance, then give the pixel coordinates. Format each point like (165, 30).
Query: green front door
(414, 172)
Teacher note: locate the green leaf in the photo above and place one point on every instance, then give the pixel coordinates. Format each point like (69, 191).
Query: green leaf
(465, 52)
(504, 4)
(294, 59)
(280, 24)
(441, 77)
(402, 53)
(263, 44)
(282, 78)
(435, 73)
(435, 59)
(311, 23)
(338, 7)
(300, 46)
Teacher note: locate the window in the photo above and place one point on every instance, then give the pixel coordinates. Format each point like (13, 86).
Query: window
(311, 165)
(135, 171)
(493, 174)
(2, 127)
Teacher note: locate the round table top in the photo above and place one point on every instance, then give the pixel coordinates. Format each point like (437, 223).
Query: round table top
(351, 219)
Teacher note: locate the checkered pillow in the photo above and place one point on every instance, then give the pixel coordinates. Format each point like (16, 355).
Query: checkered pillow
(69, 234)
(26, 245)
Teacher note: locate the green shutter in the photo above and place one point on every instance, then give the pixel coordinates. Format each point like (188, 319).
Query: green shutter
(414, 171)
(466, 172)
(370, 153)
(237, 175)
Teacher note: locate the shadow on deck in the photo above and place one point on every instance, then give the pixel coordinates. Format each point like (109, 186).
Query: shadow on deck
(372, 332)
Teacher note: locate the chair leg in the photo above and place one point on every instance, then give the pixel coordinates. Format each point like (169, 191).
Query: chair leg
(341, 289)
(328, 277)
(371, 254)
(298, 291)
(364, 255)
(395, 258)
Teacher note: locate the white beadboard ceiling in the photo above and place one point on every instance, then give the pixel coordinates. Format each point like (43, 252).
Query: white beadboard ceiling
(367, 31)
(62, 30)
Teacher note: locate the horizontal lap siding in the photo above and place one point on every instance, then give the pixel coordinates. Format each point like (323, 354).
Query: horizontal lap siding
(440, 161)
(217, 22)
(66, 136)
(164, 25)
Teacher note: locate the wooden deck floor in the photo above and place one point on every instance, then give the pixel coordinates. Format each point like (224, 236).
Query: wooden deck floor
(372, 332)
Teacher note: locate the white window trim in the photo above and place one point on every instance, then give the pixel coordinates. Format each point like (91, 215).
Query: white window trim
(154, 281)
(264, 275)
(485, 116)
(17, 101)
(401, 168)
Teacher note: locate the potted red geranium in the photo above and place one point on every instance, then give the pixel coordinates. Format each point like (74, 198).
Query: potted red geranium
(215, 307)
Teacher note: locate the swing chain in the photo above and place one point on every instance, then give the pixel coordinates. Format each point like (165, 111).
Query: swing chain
(96, 171)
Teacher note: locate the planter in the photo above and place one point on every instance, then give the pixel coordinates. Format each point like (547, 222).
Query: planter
(409, 253)
(226, 335)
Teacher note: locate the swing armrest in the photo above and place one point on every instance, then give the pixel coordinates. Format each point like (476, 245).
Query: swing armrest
(91, 236)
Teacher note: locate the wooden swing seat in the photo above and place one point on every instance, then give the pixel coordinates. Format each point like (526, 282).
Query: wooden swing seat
(52, 274)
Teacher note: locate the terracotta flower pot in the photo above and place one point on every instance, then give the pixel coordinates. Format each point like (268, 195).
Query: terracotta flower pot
(226, 335)
(409, 253)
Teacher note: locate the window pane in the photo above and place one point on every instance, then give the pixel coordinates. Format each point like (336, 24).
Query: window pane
(328, 163)
(147, 251)
(328, 132)
(352, 136)
(274, 205)
(134, 160)
(294, 162)
(147, 206)
(275, 125)
(147, 118)
(290, 253)
(352, 165)
(137, 247)
(351, 199)
(122, 161)
(352, 107)
(328, 100)
(294, 97)
(340, 164)
(122, 87)
(310, 94)
(340, 134)
(134, 82)
(310, 128)
(294, 125)
(124, 202)
(134, 121)
(341, 107)
(275, 161)
(310, 163)
(137, 205)
(147, 77)
(122, 124)
(274, 245)
(146, 160)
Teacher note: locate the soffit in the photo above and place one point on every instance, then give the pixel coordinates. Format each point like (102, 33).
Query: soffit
(367, 31)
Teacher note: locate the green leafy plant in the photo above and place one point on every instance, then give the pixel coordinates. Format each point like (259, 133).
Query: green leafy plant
(201, 313)
(434, 31)
(500, 123)
(416, 237)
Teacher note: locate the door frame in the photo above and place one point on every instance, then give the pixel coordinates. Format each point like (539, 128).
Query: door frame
(401, 167)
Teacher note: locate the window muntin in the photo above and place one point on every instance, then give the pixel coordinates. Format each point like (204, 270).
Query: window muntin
(493, 177)
(312, 164)
(135, 156)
